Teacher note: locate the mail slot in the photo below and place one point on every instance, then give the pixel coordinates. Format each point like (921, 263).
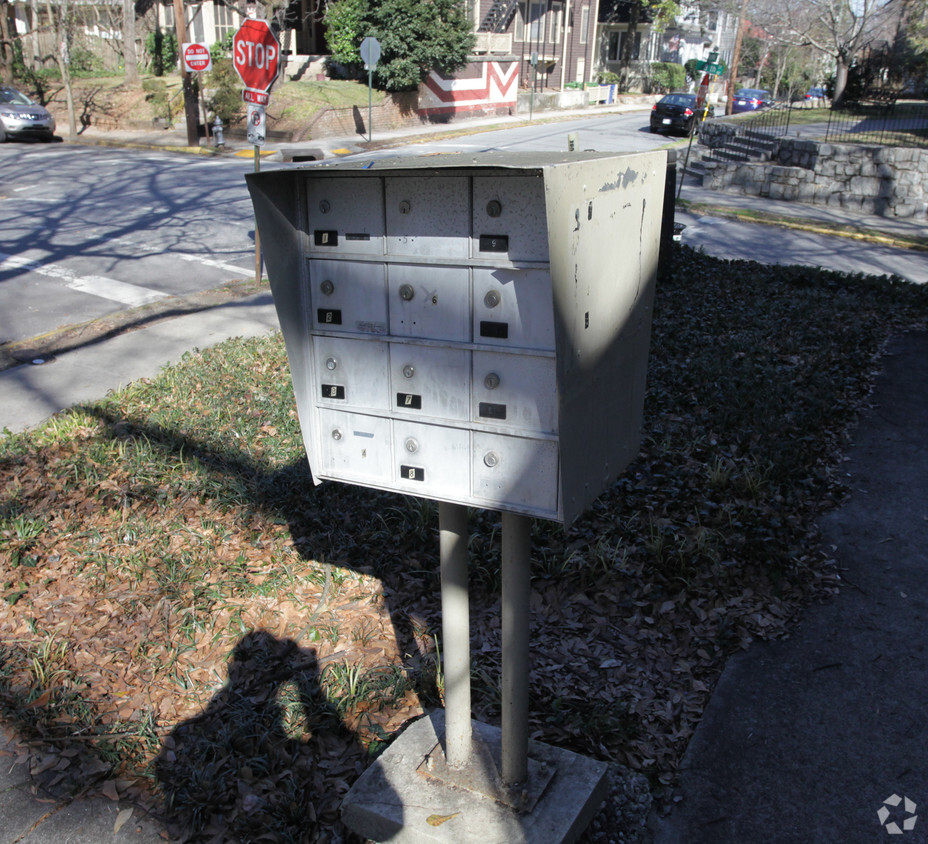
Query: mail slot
(426, 381)
(349, 296)
(469, 329)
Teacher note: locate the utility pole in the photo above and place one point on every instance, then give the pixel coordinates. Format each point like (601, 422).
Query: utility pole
(735, 58)
(191, 108)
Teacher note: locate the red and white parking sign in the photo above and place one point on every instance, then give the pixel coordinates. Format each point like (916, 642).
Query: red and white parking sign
(256, 54)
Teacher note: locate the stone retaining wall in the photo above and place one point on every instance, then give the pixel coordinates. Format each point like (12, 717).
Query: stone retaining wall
(887, 181)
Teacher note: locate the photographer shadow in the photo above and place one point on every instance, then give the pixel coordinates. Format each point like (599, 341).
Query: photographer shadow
(259, 763)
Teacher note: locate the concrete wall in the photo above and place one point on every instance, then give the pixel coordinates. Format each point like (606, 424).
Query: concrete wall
(888, 181)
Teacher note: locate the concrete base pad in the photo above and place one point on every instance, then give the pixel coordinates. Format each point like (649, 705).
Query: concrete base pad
(394, 802)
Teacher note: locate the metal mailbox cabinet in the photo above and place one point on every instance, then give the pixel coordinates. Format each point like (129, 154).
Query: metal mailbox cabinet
(469, 329)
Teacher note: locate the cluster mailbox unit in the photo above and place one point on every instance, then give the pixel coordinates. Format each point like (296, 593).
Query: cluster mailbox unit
(473, 330)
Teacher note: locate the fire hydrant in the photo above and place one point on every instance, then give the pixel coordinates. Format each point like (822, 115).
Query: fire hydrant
(217, 133)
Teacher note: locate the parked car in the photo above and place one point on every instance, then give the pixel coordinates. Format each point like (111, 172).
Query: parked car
(816, 93)
(676, 113)
(751, 99)
(20, 117)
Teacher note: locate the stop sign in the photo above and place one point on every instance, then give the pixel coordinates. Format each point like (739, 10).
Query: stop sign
(256, 54)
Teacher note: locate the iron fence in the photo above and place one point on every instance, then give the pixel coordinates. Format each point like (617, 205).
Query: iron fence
(878, 118)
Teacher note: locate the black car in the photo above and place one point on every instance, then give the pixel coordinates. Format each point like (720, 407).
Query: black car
(20, 117)
(676, 113)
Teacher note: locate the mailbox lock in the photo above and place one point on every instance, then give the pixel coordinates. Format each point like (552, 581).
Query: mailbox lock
(405, 207)
(336, 433)
(407, 291)
(491, 459)
(327, 287)
(494, 208)
(492, 299)
(409, 370)
(491, 382)
(412, 445)
(332, 363)
(324, 206)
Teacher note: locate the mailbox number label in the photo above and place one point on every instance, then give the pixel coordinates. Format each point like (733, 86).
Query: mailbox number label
(491, 411)
(494, 243)
(412, 473)
(322, 237)
(327, 317)
(333, 391)
(410, 400)
(497, 330)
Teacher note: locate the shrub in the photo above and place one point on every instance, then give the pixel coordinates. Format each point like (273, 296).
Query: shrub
(668, 76)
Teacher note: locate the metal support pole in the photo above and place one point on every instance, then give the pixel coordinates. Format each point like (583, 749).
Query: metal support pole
(516, 600)
(455, 632)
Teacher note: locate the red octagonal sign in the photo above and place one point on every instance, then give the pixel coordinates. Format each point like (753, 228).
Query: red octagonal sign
(256, 54)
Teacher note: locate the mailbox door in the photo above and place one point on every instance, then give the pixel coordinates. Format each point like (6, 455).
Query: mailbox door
(431, 460)
(517, 473)
(428, 216)
(430, 381)
(351, 373)
(345, 216)
(509, 218)
(354, 446)
(515, 391)
(429, 301)
(348, 296)
(514, 308)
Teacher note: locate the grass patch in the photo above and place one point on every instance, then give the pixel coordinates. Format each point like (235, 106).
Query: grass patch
(190, 623)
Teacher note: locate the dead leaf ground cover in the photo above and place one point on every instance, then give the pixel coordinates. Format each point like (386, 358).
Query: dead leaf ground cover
(187, 622)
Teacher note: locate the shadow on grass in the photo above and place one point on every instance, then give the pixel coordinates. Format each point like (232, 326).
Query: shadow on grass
(267, 760)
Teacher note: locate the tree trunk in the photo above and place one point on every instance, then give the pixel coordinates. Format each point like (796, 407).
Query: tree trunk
(841, 70)
(6, 44)
(35, 59)
(129, 51)
(58, 16)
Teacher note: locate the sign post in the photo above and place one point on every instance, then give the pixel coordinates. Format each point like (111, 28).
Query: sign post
(256, 59)
(370, 52)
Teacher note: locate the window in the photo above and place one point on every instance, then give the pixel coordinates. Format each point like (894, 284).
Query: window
(636, 47)
(536, 14)
(519, 32)
(168, 15)
(225, 22)
(556, 16)
(584, 24)
(613, 54)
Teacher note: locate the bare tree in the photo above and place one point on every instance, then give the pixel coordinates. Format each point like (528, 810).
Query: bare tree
(838, 28)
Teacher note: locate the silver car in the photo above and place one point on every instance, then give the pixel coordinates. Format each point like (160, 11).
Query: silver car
(20, 117)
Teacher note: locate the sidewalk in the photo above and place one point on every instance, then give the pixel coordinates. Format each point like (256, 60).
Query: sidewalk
(803, 739)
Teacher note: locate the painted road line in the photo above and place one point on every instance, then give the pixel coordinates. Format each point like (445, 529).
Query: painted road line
(96, 285)
(183, 256)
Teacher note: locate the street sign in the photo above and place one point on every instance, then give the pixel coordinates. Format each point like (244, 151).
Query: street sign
(257, 124)
(256, 54)
(713, 68)
(370, 52)
(196, 58)
(261, 98)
